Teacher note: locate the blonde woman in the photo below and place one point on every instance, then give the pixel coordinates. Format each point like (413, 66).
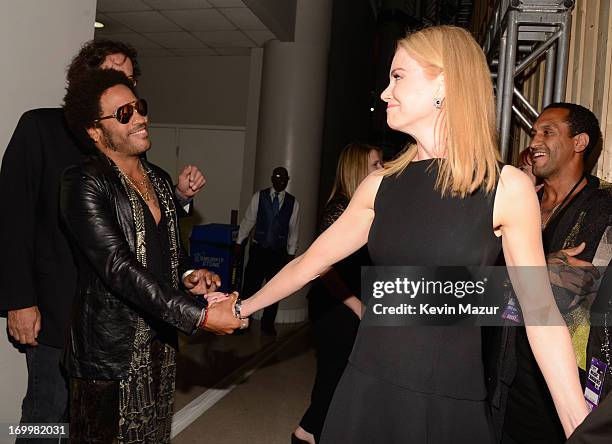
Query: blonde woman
(445, 201)
(334, 305)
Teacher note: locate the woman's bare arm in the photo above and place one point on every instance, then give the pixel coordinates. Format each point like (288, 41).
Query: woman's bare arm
(517, 214)
(343, 237)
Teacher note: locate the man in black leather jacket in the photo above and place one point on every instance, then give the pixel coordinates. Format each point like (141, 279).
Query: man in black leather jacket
(576, 208)
(37, 270)
(120, 212)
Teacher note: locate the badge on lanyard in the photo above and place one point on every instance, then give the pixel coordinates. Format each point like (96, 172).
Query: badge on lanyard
(512, 312)
(594, 383)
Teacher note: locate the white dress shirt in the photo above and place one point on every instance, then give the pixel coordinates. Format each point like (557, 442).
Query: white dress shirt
(250, 219)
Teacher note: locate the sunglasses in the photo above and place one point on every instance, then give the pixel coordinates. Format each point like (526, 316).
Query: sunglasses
(124, 112)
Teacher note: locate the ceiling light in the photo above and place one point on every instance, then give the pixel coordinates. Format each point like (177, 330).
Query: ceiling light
(98, 25)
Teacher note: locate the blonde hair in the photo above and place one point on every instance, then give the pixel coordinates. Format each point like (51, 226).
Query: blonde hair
(352, 168)
(466, 123)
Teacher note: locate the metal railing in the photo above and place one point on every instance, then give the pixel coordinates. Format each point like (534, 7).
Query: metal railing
(519, 34)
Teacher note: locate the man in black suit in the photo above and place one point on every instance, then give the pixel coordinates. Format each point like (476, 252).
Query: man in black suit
(37, 271)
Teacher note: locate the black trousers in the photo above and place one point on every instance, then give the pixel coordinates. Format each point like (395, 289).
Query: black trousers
(46, 400)
(263, 264)
(334, 331)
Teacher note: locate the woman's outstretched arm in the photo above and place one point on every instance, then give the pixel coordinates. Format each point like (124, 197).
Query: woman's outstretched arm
(345, 236)
(517, 215)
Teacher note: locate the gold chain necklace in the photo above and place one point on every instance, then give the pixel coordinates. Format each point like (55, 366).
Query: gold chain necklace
(146, 195)
(545, 222)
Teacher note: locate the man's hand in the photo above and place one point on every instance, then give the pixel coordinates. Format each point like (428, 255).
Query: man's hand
(24, 325)
(201, 281)
(190, 181)
(579, 278)
(220, 318)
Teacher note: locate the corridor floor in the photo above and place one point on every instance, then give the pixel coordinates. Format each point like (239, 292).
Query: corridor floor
(255, 389)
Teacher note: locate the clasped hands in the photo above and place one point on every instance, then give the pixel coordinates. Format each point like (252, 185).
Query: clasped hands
(221, 316)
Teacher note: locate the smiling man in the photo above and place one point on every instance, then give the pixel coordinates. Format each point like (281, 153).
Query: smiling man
(120, 212)
(562, 137)
(576, 208)
(37, 271)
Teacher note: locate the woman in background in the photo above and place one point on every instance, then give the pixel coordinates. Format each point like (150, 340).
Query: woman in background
(334, 304)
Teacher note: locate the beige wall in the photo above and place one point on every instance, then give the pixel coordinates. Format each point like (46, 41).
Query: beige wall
(589, 70)
(207, 91)
(196, 90)
(37, 40)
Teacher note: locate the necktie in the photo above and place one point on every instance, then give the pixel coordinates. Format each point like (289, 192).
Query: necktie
(275, 204)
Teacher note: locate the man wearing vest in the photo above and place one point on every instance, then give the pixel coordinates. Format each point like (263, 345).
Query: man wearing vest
(274, 214)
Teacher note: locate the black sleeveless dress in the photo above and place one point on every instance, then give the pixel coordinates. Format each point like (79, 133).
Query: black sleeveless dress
(418, 384)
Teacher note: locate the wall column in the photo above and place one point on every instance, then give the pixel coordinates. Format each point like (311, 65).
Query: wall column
(291, 117)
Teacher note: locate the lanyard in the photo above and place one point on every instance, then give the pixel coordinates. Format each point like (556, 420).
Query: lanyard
(563, 203)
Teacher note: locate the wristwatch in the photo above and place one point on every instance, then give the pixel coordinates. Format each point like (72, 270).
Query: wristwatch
(244, 322)
(237, 308)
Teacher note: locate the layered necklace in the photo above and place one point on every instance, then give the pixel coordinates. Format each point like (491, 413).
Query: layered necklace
(144, 183)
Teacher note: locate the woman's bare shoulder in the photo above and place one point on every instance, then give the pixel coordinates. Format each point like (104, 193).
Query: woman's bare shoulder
(513, 182)
(515, 196)
(366, 192)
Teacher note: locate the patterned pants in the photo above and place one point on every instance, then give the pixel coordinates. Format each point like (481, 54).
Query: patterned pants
(137, 409)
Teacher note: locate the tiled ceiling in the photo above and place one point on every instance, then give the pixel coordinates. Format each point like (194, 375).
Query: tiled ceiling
(167, 28)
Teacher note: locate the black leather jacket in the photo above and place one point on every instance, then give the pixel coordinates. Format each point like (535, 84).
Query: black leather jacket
(113, 287)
